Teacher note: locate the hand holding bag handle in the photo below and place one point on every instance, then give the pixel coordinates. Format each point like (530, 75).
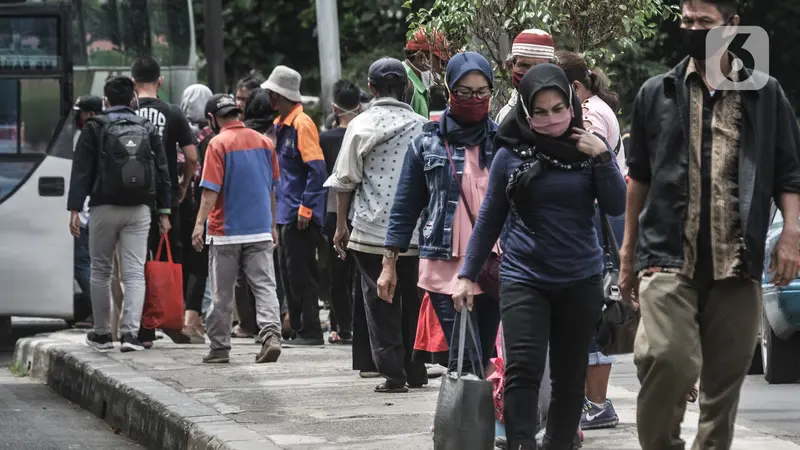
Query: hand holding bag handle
(465, 324)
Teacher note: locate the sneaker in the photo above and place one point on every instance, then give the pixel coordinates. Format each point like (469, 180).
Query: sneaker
(270, 350)
(305, 342)
(99, 341)
(129, 343)
(596, 416)
(217, 357)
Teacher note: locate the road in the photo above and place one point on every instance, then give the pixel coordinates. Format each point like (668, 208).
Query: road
(32, 417)
(772, 409)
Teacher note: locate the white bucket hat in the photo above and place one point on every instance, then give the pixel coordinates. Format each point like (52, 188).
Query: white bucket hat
(284, 81)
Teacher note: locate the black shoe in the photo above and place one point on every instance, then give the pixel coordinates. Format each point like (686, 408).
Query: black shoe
(129, 343)
(99, 341)
(501, 443)
(304, 342)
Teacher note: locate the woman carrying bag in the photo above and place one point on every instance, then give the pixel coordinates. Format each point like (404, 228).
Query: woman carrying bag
(444, 178)
(542, 186)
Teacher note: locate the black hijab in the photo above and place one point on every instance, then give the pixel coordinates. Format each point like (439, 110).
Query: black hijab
(258, 113)
(515, 132)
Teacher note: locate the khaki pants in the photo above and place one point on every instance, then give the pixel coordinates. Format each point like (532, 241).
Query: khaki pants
(687, 331)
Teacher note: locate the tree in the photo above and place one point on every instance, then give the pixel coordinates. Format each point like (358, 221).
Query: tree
(598, 29)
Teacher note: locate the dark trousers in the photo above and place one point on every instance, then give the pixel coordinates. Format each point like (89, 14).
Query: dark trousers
(299, 264)
(485, 318)
(362, 349)
(176, 246)
(83, 270)
(195, 264)
(565, 316)
(341, 282)
(393, 326)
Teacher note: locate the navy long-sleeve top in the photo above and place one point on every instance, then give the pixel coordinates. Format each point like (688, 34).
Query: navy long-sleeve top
(562, 245)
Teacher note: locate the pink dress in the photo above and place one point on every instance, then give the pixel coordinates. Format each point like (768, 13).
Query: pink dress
(441, 276)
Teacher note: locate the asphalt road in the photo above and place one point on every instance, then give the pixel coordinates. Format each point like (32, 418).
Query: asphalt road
(772, 409)
(32, 417)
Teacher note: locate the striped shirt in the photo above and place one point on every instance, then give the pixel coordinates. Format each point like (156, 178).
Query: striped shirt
(241, 165)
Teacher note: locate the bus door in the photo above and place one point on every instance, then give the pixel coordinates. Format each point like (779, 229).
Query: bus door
(36, 135)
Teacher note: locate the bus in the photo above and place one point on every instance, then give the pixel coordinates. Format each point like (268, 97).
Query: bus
(51, 52)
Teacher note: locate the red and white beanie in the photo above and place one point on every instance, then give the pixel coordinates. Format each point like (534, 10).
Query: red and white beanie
(534, 43)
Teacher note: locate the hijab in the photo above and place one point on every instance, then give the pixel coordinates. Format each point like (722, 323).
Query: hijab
(482, 133)
(193, 105)
(258, 112)
(515, 132)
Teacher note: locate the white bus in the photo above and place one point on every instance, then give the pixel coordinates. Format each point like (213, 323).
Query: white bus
(51, 52)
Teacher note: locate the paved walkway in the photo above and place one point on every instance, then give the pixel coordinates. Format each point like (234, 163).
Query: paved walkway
(311, 399)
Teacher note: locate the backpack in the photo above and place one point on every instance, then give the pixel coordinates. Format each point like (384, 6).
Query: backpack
(126, 169)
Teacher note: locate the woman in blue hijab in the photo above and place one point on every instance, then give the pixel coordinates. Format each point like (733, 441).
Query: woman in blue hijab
(444, 180)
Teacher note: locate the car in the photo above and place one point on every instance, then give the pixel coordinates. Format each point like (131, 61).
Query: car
(778, 348)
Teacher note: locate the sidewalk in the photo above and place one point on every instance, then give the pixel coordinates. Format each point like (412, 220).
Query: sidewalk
(165, 398)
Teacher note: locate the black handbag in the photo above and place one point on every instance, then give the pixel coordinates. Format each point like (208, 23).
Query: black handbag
(489, 276)
(464, 417)
(616, 330)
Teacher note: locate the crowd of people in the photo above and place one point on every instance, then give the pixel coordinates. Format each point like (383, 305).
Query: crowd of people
(412, 215)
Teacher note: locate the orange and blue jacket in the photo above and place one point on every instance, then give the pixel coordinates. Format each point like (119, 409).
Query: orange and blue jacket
(303, 171)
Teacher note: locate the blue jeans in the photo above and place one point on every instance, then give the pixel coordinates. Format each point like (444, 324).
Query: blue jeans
(485, 318)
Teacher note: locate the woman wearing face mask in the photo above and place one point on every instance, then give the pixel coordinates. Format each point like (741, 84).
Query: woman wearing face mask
(542, 187)
(462, 139)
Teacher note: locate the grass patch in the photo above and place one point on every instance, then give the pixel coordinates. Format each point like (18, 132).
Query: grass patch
(18, 370)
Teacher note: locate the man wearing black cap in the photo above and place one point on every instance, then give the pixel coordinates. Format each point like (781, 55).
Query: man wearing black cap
(365, 177)
(238, 200)
(85, 107)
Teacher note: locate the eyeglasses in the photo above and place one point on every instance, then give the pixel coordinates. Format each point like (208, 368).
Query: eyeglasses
(464, 93)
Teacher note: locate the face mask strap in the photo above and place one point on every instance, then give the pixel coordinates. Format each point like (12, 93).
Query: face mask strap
(353, 111)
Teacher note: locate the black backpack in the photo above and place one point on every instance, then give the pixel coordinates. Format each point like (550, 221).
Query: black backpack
(126, 169)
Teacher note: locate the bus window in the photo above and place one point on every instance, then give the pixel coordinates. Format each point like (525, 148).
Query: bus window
(117, 31)
(40, 113)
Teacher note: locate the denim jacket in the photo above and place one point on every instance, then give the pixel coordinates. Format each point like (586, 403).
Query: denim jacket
(428, 193)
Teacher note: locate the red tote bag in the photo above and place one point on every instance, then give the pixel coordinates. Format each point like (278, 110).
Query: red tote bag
(163, 302)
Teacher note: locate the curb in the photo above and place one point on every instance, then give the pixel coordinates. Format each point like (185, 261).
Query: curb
(147, 411)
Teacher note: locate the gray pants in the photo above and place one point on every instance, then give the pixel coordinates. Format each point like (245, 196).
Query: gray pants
(128, 226)
(224, 264)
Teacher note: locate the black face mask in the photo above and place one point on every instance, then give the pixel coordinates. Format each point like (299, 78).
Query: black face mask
(694, 42)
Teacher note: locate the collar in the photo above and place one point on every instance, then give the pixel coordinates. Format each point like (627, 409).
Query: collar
(414, 79)
(389, 101)
(289, 119)
(118, 108)
(234, 124)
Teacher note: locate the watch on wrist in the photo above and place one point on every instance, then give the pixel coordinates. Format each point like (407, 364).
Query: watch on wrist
(389, 254)
(602, 158)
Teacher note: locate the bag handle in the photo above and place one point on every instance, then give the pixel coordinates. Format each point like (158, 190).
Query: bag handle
(164, 240)
(458, 181)
(610, 247)
(464, 326)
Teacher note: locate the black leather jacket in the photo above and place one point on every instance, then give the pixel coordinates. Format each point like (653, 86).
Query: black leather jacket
(769, 165)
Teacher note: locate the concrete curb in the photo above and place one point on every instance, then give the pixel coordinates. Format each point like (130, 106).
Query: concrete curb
(146, 410)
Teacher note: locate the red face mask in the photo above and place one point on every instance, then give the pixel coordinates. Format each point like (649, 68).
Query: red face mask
(516, 77)
(470, 111)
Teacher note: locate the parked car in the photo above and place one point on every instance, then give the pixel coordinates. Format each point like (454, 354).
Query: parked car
(778, 349)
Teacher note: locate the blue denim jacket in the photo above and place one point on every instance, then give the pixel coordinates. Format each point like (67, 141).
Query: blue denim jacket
(428, 194)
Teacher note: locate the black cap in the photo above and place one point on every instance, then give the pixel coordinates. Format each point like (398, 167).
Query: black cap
(387, 71)
(89, 103)
(221, 105)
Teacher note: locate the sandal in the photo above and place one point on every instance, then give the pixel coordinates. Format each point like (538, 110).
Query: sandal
(336, 338)
(386, 388)
(693, 394)
(238, 332)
